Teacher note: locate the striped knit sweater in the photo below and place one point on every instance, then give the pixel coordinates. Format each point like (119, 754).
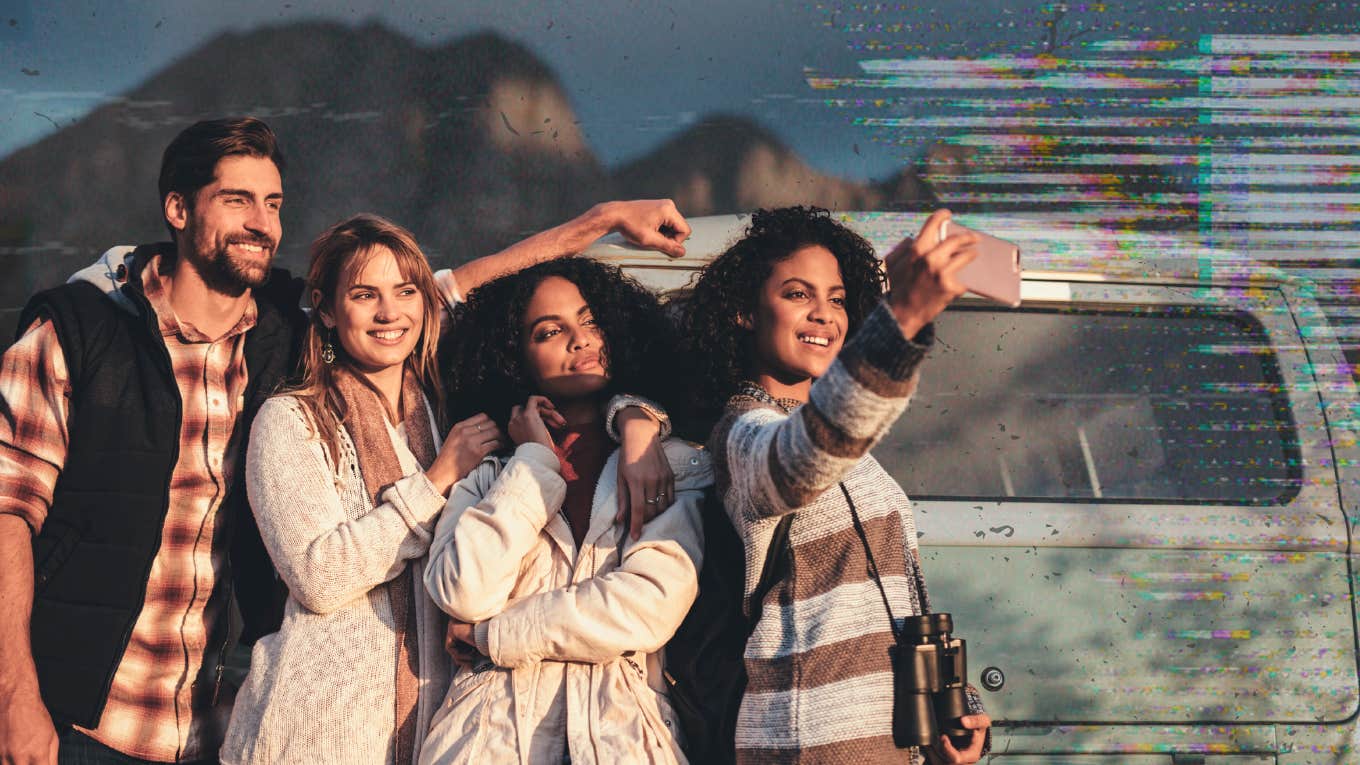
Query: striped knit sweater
(820, 683)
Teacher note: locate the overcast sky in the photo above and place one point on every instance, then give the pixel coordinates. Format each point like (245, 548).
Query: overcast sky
(636, 72)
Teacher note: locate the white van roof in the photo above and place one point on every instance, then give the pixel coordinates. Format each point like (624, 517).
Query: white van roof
(1048, 249)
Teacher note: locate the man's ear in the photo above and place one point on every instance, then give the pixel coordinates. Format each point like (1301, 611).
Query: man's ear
(176, 210)
(326, 318)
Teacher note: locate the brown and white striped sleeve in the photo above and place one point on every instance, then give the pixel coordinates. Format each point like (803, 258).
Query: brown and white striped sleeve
(778, 464)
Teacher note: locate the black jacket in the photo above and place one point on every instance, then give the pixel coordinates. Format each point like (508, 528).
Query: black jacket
(94, 552)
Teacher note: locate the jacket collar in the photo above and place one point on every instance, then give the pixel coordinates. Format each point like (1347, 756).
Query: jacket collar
(690, 474)
(117, 273)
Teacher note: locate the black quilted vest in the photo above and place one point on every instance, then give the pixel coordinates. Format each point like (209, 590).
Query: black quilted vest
(94, 553)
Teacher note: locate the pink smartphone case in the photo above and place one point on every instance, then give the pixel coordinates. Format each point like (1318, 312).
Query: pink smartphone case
(995, 273)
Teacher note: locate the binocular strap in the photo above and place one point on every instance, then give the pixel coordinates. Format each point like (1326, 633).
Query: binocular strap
(869, 555)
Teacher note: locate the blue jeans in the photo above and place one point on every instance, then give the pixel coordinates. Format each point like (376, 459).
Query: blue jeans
(76, 748)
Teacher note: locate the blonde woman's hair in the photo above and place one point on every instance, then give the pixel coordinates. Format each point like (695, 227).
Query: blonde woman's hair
(341, 252)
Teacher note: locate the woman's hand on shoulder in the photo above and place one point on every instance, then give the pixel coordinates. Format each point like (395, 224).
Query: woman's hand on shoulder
(467, 444)
(646, 483)
(528, 423)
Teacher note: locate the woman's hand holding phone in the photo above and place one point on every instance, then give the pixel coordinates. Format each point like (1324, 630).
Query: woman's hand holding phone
(995, 273)
(923, 277)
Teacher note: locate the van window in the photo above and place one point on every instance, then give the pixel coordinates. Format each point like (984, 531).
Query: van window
(1162, 404)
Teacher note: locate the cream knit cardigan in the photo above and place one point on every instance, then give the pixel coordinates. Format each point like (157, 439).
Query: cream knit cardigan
(322, 689)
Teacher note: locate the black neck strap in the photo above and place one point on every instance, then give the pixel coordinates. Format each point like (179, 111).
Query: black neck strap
(869, 556)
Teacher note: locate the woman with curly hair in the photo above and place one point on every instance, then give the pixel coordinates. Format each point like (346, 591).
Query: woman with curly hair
(792, 330)
(559, 615)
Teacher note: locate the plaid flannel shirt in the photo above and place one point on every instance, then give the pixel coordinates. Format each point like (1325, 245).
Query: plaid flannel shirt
(161, 704)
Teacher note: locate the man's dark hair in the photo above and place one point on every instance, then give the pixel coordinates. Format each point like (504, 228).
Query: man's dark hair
(190, 161)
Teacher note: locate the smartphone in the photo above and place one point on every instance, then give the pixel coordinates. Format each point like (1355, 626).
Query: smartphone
(995, 273)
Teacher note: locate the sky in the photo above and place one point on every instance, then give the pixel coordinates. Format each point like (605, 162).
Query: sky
(636, 72)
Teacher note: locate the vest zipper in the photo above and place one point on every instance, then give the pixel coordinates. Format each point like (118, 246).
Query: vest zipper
(226, 640)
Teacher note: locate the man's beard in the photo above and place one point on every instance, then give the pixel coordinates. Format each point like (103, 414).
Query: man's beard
(230, 276)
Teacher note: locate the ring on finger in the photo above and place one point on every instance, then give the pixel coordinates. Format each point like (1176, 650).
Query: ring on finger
(651, 501)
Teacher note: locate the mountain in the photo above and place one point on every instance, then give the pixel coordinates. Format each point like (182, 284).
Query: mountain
(368, 121)
(726, 164)
(472, 145)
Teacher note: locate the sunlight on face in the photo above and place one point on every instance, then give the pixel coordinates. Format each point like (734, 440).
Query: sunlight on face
(233, 225)
(563, 346)
(378, 315)
(800, 320)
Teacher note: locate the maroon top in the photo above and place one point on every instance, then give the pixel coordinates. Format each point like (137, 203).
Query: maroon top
(583, 451)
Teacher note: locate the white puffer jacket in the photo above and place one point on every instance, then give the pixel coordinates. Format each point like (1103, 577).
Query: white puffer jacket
(574, 637)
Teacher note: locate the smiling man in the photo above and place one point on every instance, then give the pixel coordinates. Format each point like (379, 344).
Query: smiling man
(234, 230)
(124, 402)
(124, 408)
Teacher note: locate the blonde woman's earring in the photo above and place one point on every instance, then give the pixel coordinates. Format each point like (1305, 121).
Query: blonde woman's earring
(328, 350)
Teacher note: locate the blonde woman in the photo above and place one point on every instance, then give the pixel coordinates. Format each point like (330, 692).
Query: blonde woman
(346, 478)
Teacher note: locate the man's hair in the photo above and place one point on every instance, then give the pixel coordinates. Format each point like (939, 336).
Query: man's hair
(190, 161)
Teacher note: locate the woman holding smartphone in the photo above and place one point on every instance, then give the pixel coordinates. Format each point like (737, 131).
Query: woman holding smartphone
(792, 330)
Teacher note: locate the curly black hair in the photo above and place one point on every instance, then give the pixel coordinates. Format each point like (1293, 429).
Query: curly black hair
(729, 287)
(483, 353)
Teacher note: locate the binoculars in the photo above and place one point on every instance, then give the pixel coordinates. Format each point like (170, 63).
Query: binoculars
(930, 668)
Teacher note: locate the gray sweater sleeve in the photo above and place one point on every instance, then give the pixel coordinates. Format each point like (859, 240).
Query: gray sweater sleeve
(325, 548)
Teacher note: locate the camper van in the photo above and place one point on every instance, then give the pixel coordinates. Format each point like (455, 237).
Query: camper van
(1135, 494)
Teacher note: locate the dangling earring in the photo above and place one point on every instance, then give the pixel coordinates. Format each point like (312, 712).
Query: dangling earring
(328, 350)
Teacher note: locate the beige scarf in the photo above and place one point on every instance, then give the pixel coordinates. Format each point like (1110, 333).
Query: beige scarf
(366, 423)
